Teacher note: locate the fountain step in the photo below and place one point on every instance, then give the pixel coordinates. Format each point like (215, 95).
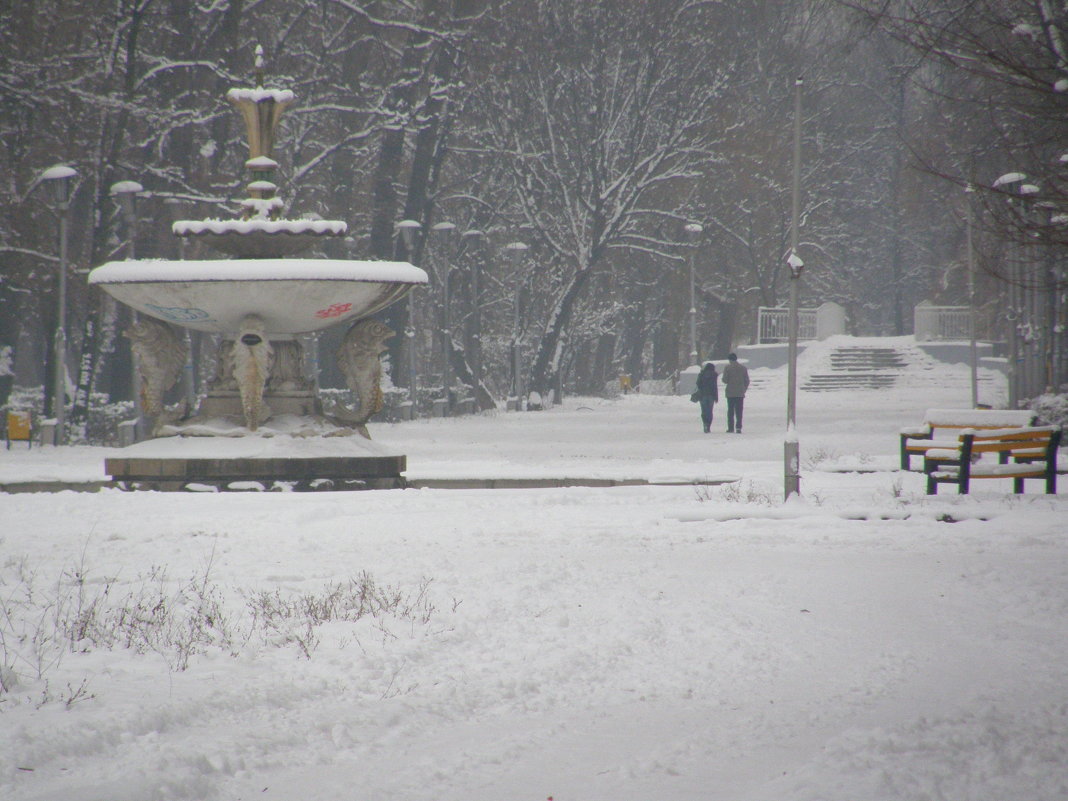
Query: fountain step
(170, 473)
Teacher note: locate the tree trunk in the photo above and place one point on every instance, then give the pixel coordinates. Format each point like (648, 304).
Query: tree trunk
(462, 370)
(546, 370)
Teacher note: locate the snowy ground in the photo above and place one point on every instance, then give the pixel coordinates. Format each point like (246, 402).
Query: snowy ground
(650, 643)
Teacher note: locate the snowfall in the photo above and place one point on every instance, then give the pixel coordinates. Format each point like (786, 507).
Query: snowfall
(679, 640)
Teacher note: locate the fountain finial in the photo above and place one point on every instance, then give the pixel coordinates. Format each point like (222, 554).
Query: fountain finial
(261, 232)
(260, 66)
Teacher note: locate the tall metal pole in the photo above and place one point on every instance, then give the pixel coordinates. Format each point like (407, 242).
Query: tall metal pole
(1013, 315)
(445, 229)
(791, 447)
(694, 230)
(515, 251)
(59, 385)
(59, 179)
(972, 344)
(126, 193)
(408, 229)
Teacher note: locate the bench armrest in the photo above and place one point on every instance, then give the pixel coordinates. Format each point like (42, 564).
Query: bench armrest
(916, 432)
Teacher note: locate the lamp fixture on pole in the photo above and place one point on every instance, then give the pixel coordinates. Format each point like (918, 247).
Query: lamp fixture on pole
(60, 179)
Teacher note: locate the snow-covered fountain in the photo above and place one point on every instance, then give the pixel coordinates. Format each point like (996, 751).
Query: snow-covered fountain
(261, 419)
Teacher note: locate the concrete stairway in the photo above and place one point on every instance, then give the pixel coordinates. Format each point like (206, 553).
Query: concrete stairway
(855, 367)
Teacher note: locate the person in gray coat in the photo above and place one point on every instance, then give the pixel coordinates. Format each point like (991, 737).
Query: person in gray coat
(735, 383)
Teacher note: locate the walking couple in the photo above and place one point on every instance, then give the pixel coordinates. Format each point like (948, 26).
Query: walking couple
(735, 384)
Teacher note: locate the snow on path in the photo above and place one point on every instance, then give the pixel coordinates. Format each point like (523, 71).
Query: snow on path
(668, 643)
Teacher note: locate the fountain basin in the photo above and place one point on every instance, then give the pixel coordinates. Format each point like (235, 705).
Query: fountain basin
(291, 296)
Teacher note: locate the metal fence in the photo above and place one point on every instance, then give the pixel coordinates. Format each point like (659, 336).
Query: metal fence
(773, 324)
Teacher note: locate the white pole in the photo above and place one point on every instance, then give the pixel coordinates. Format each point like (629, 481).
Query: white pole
(59, 386)
(791, 447)
(694, 230)
(973, 346)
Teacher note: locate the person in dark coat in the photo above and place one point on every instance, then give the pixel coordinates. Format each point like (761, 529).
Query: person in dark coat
(735, 383)
(708, 393)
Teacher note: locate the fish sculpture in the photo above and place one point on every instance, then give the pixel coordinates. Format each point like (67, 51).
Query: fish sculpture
(250, 363)
(357, 358)
(160, 356)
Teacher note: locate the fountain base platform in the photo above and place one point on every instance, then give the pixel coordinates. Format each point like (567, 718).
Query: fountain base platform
(272, 458)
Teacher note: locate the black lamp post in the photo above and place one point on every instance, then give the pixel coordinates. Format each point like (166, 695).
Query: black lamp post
(125, 192)
(409, 231)
(472, 237)
(515, 251)
(693, 231)
(1013, 314)
(60, 179)
(444, 231)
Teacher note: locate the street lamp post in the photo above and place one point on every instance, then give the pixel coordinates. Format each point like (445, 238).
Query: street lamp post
(409, 230)
(693, 231)
(973, 348)
(1013, 315)
(125, 192)
(1031, 328)
(472, 237)
(515, 252)
(791, 447)
(60, 178)
(445, 230)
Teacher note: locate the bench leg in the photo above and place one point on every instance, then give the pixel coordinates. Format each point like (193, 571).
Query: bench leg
(932, 485)
(1018, 486)
(1051, 482)
(962, 485)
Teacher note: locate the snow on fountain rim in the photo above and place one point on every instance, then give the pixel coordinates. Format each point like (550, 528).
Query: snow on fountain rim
(278, 269)
(259, 94)
(195, 227)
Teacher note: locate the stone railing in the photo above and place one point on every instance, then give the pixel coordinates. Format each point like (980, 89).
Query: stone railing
(825, 321)
(941, 323)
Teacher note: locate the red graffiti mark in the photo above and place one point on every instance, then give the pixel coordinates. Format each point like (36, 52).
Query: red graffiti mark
(334, 310)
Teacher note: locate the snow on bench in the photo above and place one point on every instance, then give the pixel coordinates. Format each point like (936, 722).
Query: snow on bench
(917, 440)
(1022, 453)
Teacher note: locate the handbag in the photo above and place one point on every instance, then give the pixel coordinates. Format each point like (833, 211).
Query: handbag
(695, 397)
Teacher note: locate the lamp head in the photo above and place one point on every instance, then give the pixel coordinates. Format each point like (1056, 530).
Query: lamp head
(59, 178)
(408, 230)
(796, 264)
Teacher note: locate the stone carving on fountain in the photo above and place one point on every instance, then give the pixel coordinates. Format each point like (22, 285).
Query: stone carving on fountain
(160, 356)
(358, 359)
(250, 360)
(261, 300)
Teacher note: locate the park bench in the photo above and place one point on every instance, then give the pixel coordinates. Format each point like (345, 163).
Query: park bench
(941, 428)
(1022, 453)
